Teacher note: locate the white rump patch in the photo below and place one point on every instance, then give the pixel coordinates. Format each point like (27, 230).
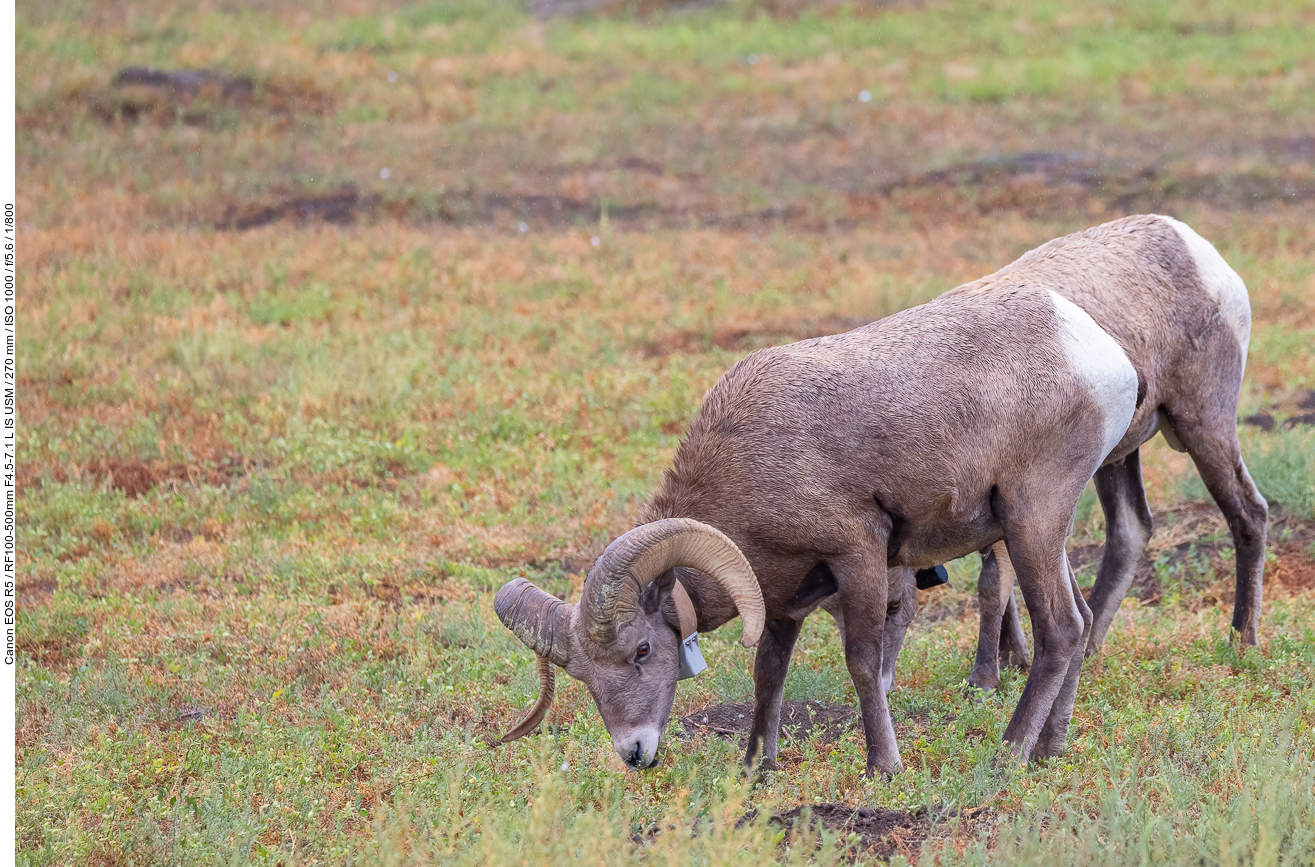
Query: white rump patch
(1221, 282)
(1102, 366)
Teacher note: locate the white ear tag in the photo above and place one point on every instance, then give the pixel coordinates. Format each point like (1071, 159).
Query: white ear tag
(691, 658)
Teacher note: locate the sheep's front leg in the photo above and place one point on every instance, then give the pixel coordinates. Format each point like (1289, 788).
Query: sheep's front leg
(832, 606)
(993, 595)
(1000, 638)
(1013, 642)
(861, 582)
(769, 669)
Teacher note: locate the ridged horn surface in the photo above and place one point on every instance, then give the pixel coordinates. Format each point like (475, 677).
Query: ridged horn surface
(612, 590)
(547, 690)
(539, 619)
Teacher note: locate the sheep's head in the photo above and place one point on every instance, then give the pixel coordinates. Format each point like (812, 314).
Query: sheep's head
(620, 639)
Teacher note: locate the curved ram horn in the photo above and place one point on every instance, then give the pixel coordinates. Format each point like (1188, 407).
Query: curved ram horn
(547, 689)
(539, 619)
(612, 590)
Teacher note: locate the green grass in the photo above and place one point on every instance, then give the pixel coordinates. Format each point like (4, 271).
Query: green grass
(271, 478)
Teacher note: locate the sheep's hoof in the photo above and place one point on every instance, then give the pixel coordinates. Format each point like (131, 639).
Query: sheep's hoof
(1011, 756)
(754, 767)
(1050, 745)
(881, 770)
(1015, 658)
(1248, 637)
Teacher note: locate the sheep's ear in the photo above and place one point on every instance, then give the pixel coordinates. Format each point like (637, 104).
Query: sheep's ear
(657, 590)
(933, 577)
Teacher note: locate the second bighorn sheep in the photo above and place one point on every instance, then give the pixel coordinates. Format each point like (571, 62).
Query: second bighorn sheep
(1190, 380)
(827, 471)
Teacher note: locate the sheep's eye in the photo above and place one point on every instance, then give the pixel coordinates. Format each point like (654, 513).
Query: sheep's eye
(642, 651)
(893, 607)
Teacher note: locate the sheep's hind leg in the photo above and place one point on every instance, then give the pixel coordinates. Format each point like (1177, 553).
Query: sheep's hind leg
(1054, 735)
(1127, 530)
(1212, 443)
(1059, 625)
(769, 669)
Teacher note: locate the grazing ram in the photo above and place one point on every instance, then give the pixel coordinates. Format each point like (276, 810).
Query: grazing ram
(828, 471)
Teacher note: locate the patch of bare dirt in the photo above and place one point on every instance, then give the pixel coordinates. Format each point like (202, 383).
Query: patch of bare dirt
(1262, 420)
(1290, 408)
(882, 834)
(1042, 183)
(35, 592)
(198, 96)
(396, 595)
(134, 477)
(1082, 557)
(462, 209)
(185, 80)
(189, 714)
(1190, 531)
(51, 653)
(339, 208)
(1295, 147)
(1038, 184)
(1294, 571)
(871, 834)
(549, 209)
(745, 339)
(934, 607)
(1197, 533)
(800, 720)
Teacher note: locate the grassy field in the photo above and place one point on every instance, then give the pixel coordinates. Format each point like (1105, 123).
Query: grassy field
(416, 299)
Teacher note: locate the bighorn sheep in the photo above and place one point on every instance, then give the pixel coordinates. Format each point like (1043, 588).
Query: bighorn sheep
(831, 469)
(1190, 372)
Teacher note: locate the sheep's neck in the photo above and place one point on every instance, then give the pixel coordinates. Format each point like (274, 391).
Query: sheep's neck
(682, 495)
(713, 605)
